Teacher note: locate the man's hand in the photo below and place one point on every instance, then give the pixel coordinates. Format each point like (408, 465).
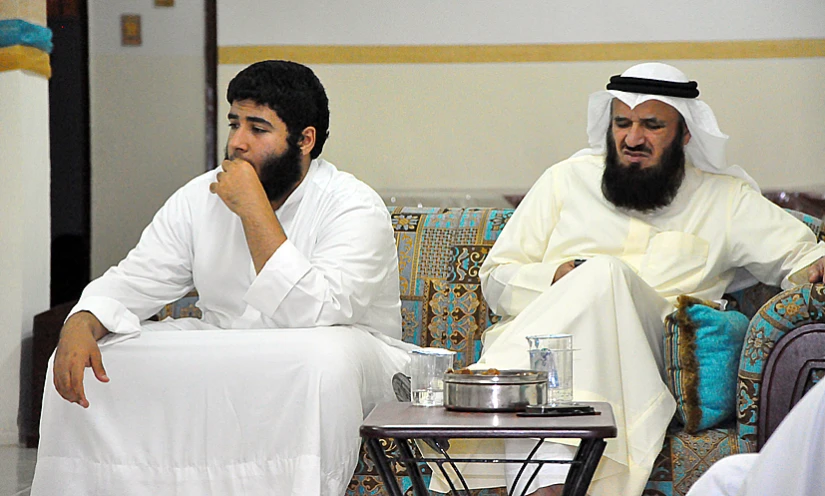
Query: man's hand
(564, 269)
(816, 272)
(239, 187)
(76, 350)
(241, 190)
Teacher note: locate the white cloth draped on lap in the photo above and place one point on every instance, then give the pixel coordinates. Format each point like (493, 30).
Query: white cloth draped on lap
(616, 321)
(247, 412)
(791, 461)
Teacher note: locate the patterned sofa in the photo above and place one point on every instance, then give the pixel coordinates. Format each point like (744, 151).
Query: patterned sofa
(440, 251)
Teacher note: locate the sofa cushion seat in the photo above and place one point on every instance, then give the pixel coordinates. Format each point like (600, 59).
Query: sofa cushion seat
(685, 457)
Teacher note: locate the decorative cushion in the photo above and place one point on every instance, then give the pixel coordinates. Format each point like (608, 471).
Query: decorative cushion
(702, 349)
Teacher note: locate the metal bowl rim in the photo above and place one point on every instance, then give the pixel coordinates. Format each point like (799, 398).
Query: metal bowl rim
(513, 376)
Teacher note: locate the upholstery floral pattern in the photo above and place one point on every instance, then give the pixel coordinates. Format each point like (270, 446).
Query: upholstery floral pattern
(784, 312)
(684, 457)
(439, 254)
(184, 307)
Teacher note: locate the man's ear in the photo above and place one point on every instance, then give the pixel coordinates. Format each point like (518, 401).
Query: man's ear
(307, 142)
(686, 137)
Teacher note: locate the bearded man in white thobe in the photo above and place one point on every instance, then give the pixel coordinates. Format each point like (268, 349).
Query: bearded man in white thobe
(601, 247)
(275, 239)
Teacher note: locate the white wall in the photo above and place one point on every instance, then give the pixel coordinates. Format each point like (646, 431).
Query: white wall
(174, 30)
(399, 126)
(392, 22)
(419, 127)
(24, 228)
(147, 118)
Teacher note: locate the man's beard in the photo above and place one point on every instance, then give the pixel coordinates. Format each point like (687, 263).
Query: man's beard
(645, 189)
(280, 173)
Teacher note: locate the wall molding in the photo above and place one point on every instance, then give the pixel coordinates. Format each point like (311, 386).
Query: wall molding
(473, 54)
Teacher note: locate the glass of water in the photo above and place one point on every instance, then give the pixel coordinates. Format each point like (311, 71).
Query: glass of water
(553, 353)
(427, 369)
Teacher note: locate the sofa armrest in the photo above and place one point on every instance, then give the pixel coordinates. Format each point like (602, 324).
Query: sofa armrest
(776, 320)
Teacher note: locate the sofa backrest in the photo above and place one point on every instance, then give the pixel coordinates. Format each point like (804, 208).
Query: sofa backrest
(440, 251)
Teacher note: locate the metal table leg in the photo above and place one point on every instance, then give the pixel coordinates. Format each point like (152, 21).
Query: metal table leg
(523, 468)
(441, 445)
(580, 474)
(413, 470)
(381, 461)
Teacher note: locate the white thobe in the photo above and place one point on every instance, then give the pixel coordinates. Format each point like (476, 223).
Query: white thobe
(338, 266)
(615, 303)
(790, 462)
(328, 299)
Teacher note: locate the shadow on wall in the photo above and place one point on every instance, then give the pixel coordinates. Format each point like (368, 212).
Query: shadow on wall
(69, 275)
(25, 420)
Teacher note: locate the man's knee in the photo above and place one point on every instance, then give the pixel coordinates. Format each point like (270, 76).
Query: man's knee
(606, 264)
(333, 364)
(604, 269)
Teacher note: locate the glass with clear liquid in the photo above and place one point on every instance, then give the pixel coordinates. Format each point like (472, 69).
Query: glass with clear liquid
(554, 354)
(427, 369)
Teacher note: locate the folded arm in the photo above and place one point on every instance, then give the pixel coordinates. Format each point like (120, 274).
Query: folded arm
(346, 271)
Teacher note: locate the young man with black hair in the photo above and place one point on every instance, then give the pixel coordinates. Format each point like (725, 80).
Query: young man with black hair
(276, 238)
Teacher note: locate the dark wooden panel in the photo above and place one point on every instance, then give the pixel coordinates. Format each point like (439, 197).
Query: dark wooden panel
(794, 358)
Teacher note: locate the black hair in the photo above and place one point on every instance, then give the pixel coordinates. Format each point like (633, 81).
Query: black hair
(291, 90)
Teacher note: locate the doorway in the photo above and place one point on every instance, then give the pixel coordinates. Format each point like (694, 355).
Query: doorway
(70, 149)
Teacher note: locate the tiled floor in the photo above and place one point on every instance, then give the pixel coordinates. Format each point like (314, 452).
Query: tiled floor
(16, 470)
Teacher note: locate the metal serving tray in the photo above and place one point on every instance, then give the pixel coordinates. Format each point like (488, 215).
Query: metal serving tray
(504, 391)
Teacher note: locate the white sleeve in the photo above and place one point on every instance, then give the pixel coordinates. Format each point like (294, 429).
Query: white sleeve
(350, 262)
(768, 241)
(157, 271)
(513, 275)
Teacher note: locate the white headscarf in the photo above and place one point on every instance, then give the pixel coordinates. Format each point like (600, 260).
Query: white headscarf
(706, 148)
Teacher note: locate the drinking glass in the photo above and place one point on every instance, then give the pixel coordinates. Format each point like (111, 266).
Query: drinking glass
(553, 353)
(427, 369)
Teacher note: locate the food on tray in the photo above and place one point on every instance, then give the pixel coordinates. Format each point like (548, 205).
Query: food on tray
(476, 372)
(490, 372)
(460, 371)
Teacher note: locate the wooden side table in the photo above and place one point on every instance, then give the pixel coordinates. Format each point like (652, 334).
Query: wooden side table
(405, 423)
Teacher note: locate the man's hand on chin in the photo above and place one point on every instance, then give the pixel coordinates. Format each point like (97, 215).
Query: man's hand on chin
(76, 350)
(816, 272)
(240, 188)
